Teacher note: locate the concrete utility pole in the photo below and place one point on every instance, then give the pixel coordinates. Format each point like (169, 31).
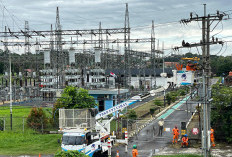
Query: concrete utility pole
(205, 43)
(205, 128)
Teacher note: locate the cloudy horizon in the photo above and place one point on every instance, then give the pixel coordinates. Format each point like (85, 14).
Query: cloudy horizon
(86, 14)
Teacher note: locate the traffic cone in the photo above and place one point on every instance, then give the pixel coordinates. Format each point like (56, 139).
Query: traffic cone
(39, 155)
(117, 154)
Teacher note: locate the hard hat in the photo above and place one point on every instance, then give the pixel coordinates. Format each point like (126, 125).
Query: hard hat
(185, 135)
(134, 146)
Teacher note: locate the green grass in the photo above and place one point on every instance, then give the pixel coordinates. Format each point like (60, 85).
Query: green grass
(17, 111)
(180, 155)
(145, 108)
(28, 143)
(20, 114)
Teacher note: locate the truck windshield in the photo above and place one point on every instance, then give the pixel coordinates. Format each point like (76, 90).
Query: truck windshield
(73, 140)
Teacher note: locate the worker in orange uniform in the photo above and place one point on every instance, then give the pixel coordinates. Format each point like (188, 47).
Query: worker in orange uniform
(179, 67)
(175, 132)
(135, 151)
(212, 137)
(189, 66)
(184, 141)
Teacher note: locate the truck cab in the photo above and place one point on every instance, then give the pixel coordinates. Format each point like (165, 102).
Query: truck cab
(86, 142)
(73, 141)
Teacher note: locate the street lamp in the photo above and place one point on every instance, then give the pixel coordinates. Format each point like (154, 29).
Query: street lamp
(10, 93)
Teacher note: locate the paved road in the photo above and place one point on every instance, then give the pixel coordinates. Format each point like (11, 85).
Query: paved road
(148, 141)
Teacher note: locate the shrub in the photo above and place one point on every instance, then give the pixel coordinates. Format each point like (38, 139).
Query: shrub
(152, 111)
(70, 154)
(182, 92)
(168, 98)
(37, 119)
(131, 114)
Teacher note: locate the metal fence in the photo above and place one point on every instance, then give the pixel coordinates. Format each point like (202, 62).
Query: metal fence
(18, 124)
(72, 118)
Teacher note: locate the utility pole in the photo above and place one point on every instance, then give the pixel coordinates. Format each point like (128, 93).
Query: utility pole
(205, 43)
(205, 128)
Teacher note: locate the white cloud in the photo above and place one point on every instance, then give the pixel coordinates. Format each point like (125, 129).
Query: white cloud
(86, 14)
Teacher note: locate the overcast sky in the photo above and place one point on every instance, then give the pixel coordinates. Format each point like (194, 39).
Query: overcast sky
(86, 14)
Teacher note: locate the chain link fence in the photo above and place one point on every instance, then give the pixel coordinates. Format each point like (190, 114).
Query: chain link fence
(18, 124)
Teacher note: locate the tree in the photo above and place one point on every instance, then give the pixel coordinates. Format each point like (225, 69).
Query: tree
(74, 97)
(221, 113)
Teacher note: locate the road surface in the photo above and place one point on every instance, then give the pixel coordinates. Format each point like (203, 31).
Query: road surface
(148, 140)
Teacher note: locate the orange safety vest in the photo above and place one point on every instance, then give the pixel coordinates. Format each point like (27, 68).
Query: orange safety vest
(184, 139)
(175, 131)
(179, 67)
(212, 133)
(135, 152)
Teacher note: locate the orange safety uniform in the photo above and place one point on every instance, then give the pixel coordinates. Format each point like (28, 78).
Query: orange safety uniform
(175, 132)
(212, 137)
(135, 153)
(179, 67)
(184, 141)
(190, 67)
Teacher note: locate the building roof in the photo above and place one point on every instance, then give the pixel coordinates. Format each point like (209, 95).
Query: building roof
(135, 71)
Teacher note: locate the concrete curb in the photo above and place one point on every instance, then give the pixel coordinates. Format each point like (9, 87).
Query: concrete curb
(192, 117)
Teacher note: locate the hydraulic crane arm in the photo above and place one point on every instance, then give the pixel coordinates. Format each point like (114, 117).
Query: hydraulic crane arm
(118, 107)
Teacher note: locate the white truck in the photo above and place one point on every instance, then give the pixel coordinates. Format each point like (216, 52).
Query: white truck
(87, 132)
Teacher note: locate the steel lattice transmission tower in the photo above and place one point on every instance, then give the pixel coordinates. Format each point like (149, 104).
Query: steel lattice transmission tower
(27, 37)
(153, 55)
(127, 71)
(60, 58)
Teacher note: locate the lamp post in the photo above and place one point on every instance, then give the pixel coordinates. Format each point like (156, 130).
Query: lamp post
(10, 94)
